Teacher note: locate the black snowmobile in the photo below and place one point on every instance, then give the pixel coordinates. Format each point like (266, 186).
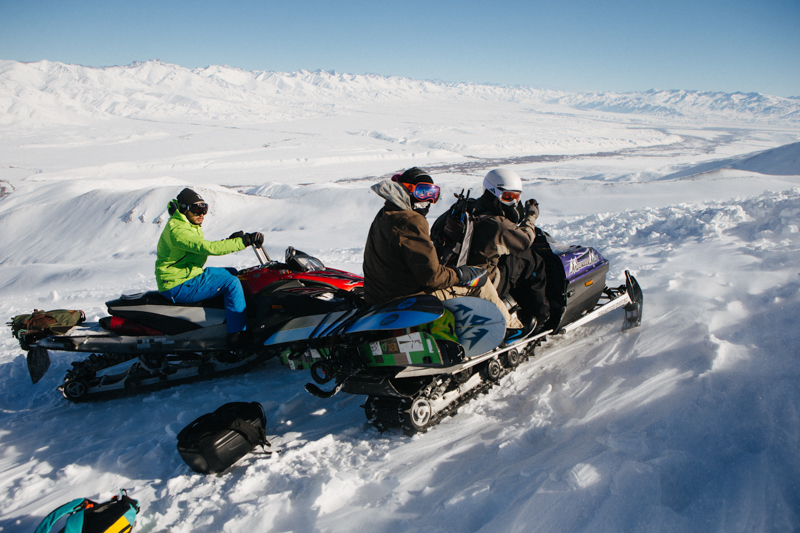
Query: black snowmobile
(413, 377)
(149, 342)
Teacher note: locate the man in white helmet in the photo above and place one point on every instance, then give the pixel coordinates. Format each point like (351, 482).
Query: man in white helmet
(501, 243)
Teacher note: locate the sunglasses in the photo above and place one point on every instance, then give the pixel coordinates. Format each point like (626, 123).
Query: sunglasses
(510, 197)
(199, 209)
(423, 192)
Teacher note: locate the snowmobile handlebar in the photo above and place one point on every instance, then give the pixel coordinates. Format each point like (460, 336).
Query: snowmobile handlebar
(261, 254)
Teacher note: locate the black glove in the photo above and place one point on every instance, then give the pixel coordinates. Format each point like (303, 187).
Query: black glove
(532, 208)
(255, 239)
(236, 235)
(469, 276)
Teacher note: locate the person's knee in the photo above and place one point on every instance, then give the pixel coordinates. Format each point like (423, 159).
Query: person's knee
(227, 279)
(234, 287)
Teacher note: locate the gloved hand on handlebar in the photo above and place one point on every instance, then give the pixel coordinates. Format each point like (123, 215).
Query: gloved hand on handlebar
(236, 235)
(253, 239)
(470, 276)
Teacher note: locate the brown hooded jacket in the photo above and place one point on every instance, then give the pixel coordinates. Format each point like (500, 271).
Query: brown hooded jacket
(399, 257)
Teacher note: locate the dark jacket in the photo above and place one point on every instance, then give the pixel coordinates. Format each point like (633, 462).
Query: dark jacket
(495, 235)
(399, 257)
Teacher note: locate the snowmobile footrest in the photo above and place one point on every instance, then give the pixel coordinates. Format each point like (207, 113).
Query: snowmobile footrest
(371, 386)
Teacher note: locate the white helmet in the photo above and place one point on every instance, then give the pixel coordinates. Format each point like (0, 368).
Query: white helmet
(501, 181)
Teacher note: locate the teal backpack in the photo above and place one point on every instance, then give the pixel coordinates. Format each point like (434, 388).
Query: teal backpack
(118, 515)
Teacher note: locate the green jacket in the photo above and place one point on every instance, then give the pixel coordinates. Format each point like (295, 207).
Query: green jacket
(182, 250)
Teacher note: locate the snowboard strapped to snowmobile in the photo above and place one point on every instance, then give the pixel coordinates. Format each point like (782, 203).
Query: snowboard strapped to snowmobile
(413, 379)
(150, 342)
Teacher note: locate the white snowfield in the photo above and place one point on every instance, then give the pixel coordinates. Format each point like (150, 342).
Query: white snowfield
(689, 423)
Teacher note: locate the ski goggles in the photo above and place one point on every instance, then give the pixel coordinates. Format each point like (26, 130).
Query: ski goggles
(199, 208)
(423, 192)
(510, 197)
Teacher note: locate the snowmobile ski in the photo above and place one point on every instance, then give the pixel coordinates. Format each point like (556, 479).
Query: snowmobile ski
(38, 360)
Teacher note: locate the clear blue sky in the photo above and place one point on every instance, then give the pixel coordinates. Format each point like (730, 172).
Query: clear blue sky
(572, 45)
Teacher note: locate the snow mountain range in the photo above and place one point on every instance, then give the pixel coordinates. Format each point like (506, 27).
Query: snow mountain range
(153, 89)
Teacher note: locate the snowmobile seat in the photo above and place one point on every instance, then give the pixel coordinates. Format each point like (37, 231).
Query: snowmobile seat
(156, 298)
(153, 310)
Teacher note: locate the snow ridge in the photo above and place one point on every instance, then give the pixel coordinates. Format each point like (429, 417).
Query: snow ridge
(155, 90)
(682, 103)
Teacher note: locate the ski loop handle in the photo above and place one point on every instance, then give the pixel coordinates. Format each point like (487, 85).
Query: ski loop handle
(319, 393)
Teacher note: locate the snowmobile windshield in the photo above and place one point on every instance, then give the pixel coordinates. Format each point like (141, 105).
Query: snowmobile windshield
(309, 264)
(302, 262)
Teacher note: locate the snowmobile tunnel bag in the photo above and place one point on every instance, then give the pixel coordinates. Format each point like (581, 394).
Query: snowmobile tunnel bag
(215, 441)
(28, 329)
(117, 515)
(576, 277)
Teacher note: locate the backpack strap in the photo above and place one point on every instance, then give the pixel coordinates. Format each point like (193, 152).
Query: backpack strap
(74, 522)
(133, 509)
(254, 435)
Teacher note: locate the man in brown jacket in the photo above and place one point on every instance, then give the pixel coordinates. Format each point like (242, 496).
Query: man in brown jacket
(399, 257)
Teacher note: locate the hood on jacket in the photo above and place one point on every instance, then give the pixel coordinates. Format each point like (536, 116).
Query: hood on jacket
(174, 211)
(173, 207)
(393, 192)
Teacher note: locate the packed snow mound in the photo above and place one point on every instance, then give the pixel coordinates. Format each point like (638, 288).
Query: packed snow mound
(47, 91)
(772, 217)
(130, 215)
(780, 161)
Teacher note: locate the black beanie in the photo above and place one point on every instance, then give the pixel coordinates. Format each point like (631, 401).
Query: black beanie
(414, 175)
(188, 197)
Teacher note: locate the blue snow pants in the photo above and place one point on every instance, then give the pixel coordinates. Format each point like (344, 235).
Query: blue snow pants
(208, 285)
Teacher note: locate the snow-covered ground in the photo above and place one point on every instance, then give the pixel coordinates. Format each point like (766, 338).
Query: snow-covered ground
(689, 423)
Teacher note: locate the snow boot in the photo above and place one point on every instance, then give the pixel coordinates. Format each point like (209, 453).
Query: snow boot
(241, 340)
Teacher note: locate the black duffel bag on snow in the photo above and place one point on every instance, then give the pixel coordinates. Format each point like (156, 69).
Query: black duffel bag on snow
(213, 442)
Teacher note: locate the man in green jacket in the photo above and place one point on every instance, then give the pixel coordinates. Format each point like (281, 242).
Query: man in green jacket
(181, 253)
